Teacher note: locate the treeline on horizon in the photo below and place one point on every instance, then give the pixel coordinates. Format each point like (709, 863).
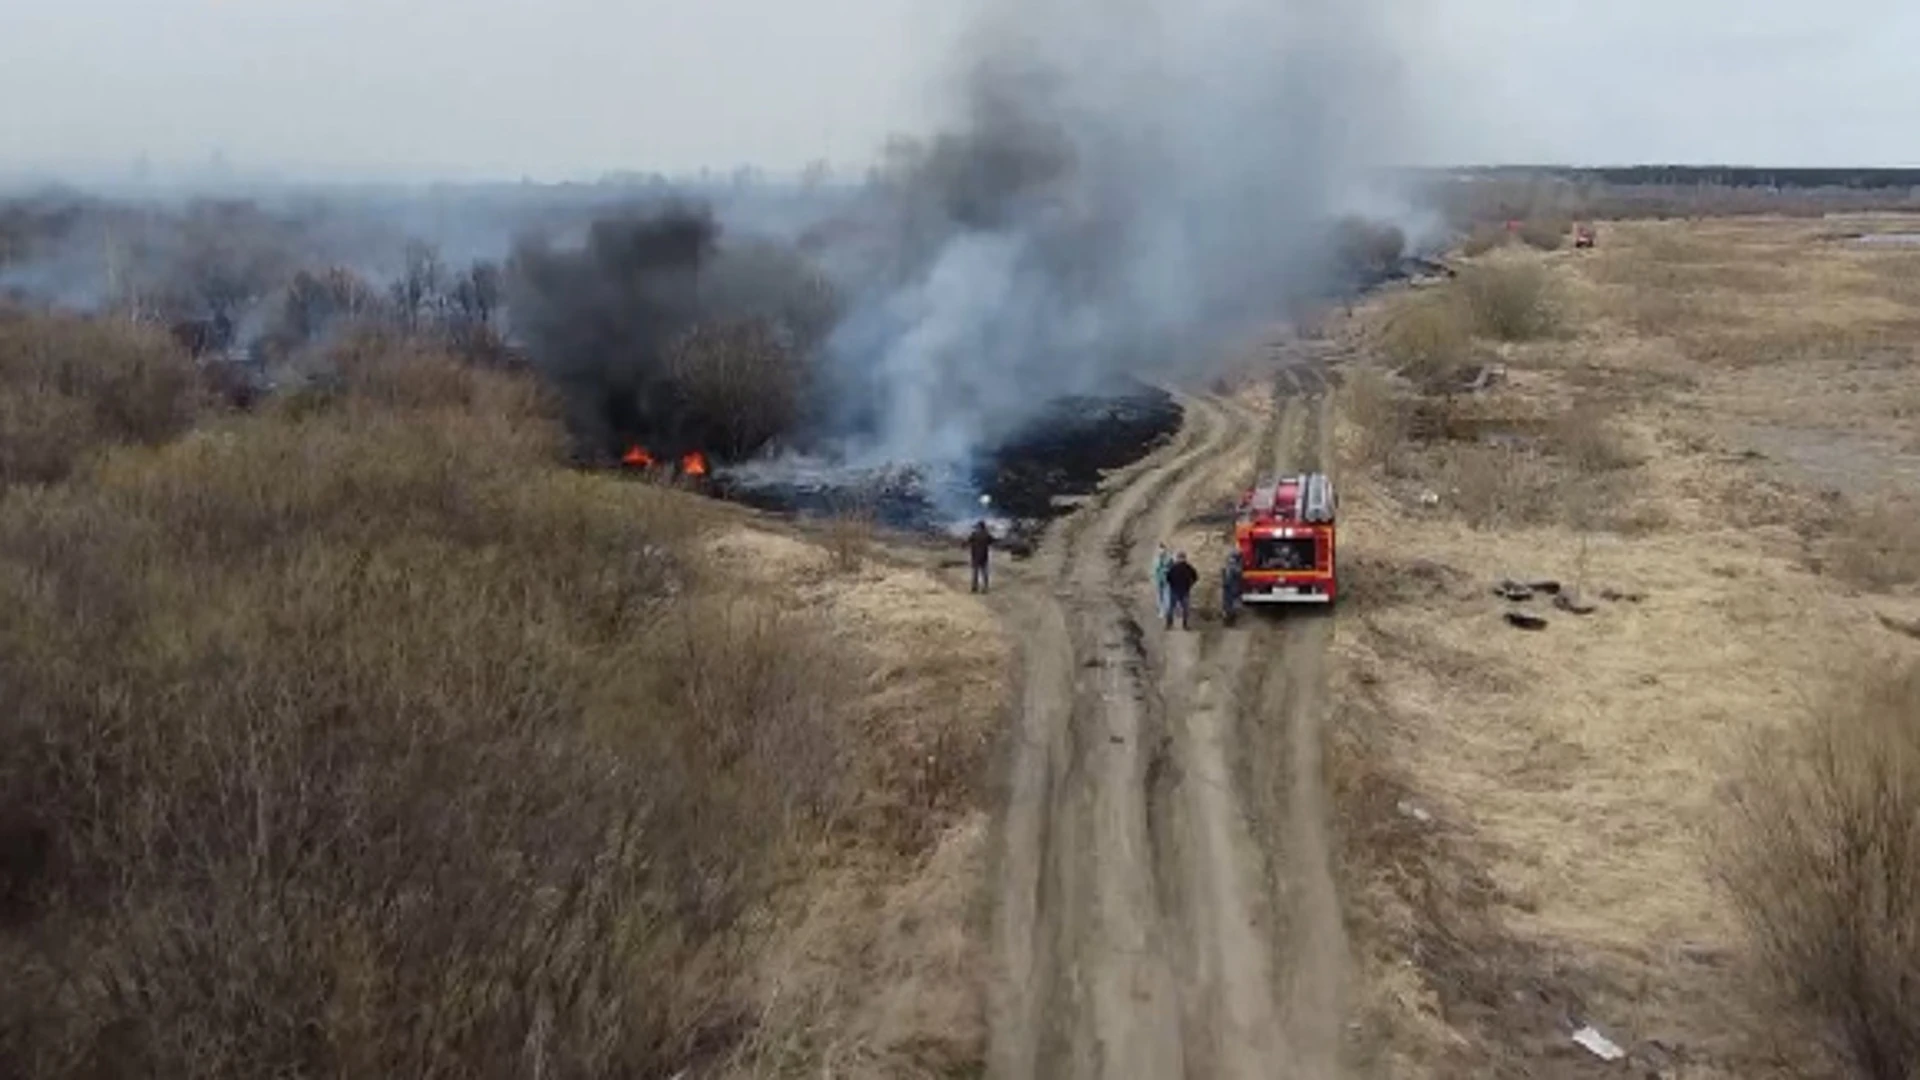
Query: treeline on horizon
(1737, 176)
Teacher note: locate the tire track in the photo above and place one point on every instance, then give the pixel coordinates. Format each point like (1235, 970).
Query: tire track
(1158, 913)
(1085, 987)
(1281, 769)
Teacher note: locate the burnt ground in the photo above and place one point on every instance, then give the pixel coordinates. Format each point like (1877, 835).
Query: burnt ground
(1061, 453)
(1066, 450)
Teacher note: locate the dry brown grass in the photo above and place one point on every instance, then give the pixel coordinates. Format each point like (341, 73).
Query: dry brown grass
(1878, 545)
(358, 739)
(1719, 412)
(850, 532)
(1821, 855)
(73, 386)
(1545, 234)
(1483, 239)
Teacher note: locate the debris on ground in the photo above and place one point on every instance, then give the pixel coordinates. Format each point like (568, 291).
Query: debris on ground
(1526, 620)
(1568, 603)
(1909, 627)
(1597, 1044)
(1512, 590)
(1526, 590)
(1615, 596)
(1408, 808)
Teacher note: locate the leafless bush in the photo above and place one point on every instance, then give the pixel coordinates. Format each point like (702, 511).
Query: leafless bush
(741, 385)
(1509, 300)
(1587, 436)
(850, 532)
(70, 386)
(1820, 853)
(364, 742)
(1379, 417)
(1428, 340)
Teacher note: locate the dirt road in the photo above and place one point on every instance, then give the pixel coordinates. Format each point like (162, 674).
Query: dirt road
(1165, 906)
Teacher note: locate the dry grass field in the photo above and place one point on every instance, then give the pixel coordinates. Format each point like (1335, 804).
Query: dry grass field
(1684, 809)
(356, 736)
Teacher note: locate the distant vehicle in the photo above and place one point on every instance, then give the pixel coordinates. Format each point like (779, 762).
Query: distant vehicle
(1284, 531)
(1583, 236)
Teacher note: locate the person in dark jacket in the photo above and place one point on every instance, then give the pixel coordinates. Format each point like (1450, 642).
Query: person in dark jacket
(1181, 578)
(1230, 583)
(979, 543)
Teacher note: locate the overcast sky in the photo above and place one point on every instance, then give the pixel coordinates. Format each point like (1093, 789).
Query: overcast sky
(575, 88)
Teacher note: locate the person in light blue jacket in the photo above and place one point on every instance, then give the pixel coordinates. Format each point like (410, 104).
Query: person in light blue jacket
(1163, 595)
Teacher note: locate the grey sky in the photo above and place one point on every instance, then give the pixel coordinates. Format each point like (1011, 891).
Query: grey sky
(560, 88)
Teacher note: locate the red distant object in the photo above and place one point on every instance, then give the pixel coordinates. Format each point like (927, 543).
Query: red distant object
(636, 457)
(693, 463)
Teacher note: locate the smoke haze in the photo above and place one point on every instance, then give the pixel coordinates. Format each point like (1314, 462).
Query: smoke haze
(1127, 187)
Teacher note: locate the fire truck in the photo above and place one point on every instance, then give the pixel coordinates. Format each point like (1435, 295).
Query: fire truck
(1284, 532)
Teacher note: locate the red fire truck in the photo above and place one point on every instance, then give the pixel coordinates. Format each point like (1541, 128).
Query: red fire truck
(1284, 533)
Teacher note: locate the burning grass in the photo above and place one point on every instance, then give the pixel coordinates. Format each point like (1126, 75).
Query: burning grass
(357, 737)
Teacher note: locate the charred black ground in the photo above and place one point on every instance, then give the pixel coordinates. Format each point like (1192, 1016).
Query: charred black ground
(1066, 450)
(1061, 453)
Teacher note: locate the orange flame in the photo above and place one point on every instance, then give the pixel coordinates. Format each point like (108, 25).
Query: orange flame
(636, 457)
(693, 463)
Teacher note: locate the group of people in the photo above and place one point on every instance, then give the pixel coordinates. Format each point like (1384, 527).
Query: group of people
(1173, 578)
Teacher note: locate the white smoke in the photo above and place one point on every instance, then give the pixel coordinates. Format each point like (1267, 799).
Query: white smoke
(1131, 183)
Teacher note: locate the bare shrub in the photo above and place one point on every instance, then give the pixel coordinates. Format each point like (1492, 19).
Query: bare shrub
(850, 526)
(1509, 300)
(1820, 853)
(1545, 234)
(1588, 437)
(1428, 340)
(70, 386)
(364, 742)
(1878, 545)
(1379, 417)
(740, 384)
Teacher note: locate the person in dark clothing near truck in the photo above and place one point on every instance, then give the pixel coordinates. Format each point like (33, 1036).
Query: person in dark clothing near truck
(1230, 587)
(1181, 578)
(979, 543)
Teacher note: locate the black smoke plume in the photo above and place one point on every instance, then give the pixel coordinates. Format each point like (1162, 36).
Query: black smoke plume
(657, 330)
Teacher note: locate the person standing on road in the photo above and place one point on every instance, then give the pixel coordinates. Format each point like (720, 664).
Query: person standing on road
(1162, 561)
(1181, 577)
(979, 543)
(1230, 582)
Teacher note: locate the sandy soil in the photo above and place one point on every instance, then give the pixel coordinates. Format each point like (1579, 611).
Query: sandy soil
(1155, 916)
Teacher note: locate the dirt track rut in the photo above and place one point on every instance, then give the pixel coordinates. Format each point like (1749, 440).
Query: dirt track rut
(1164, 906)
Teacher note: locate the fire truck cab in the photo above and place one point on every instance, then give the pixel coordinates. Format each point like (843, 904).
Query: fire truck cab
(1284, 532)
